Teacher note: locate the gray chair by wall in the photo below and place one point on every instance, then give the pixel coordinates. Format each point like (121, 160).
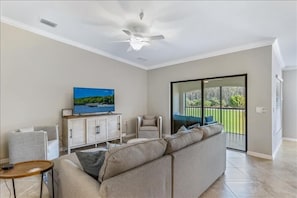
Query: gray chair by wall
(149, 126)
(33, 143)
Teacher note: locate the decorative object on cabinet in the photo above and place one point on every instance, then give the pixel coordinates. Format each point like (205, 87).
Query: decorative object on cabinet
(66, 112)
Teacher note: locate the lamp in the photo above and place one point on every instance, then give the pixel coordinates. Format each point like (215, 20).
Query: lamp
(137, 43)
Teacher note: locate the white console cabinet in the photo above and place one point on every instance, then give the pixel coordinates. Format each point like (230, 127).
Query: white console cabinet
(80, 131)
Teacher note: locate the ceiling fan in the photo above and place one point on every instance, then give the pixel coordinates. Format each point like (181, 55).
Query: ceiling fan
(137, 35)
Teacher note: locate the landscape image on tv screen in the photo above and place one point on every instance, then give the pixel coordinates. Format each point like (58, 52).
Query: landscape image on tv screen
(93, 100)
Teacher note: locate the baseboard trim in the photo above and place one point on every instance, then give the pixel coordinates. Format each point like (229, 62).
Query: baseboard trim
(260, 155)
(290, 139)
(4, 161)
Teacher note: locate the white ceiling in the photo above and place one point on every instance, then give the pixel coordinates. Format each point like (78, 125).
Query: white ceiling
(192, 29)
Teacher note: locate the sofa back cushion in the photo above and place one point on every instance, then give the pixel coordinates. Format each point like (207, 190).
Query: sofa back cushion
(210, 130)
(129, 156)
(183, 139)
(151, 122)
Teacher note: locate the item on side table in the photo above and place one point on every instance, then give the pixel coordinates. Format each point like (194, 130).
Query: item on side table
(7, 166)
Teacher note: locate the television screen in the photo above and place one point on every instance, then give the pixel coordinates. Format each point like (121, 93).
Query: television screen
(93, 100)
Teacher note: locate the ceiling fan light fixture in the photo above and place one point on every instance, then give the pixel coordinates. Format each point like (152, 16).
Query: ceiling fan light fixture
(137, 43)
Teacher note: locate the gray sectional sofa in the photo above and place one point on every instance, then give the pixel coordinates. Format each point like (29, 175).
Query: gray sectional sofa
(183, 165)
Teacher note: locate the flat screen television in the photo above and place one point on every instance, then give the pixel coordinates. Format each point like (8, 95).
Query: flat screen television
(93, 100)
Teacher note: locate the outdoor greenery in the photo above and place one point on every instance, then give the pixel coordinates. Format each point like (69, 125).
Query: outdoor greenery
(97, 99)
(232, 104)
(231, 97)
(232, 119)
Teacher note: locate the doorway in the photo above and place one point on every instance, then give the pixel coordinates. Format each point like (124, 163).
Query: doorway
(212, 100)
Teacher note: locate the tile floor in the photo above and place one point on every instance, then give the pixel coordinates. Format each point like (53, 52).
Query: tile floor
(245, 177)
(251, 177)
(235, 141)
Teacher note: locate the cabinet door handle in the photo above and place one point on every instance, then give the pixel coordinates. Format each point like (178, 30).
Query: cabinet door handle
(97, 129)
(70, 133)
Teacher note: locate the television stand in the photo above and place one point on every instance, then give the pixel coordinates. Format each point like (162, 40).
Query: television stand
(84, 130)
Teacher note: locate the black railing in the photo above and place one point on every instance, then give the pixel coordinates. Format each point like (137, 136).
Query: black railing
(233, 119)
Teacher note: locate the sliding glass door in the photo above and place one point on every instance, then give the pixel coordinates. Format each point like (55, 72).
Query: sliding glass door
(209, 101)
(186, 106)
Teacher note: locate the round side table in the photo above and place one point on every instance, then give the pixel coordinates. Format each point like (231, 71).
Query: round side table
(26, 169)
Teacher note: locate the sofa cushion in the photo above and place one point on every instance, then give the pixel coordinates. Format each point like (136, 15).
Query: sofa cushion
(182, 129)
(92, 162)
(51, 131)
(183, 139)
(149, 122)
(129, 156)
(148, 128)
(149, 117)
(210, 130)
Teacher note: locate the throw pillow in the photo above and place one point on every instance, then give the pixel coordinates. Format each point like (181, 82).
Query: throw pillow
(182, 128)
(208, 118)
(91, 162)
(149, 122)
(194, 126)
(148, 117)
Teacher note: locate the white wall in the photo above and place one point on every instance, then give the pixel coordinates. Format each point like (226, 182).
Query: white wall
(290, 104)
(256, 63)
(38, 75)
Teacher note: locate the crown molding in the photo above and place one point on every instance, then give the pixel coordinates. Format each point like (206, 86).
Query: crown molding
(217, 53)
(66, 41)
(55, 37)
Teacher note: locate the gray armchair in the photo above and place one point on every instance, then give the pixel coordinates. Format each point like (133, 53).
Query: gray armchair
(149, 126)
(34, 143)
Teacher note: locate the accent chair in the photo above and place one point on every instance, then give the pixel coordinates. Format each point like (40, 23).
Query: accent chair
(149, 126)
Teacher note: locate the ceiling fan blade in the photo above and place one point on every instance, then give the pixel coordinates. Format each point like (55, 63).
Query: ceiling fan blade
(127, 32)
(145, 43)
(157, 37)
